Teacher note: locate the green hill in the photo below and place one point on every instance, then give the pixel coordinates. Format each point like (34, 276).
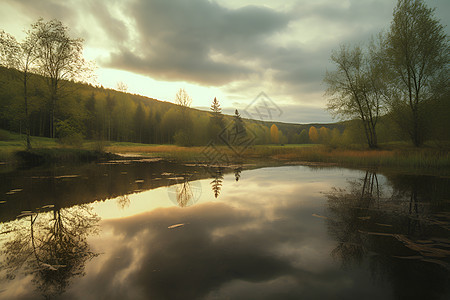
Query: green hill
(87, 112)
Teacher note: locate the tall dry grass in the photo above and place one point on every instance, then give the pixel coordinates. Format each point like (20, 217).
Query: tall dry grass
(424, 158)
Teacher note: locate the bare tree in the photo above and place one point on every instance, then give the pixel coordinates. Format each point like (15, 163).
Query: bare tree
(122, 87)
(183, 99)
(356, 88)
(183, 135)
(418, 53)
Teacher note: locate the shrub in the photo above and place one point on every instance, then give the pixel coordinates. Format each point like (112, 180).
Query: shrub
(182, 138)
(69, 133)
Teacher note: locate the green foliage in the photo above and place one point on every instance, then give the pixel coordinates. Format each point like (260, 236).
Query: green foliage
(108, 115)
(216, 111)
(356, 87)
(353, 134)
(335, 138)
(5, 135)
(182, 138)
(418, 54)
(213, 131)
(404, 73)
(324, 135)
(139, 122)
(216, 122)
(303, 137)
(68, 132)
(238, 125)
(282, 138)
(439, 108)
(261, 132)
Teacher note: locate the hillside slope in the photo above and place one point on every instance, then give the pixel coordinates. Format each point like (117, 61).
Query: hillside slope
(87, 112)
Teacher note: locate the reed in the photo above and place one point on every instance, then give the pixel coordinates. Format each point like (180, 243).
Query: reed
(412, 158)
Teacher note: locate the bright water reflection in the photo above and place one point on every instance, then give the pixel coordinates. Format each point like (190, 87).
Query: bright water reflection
(273, 233)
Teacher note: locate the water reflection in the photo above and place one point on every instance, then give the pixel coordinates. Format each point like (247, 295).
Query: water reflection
(123, 201)
(50, 245)
(261, 240)
(216, 184)
(183, 190)
(348, 212)
(68, 186)
(237, 173)
(401, 232)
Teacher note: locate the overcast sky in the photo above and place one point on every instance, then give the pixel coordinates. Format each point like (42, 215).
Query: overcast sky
(229, 49)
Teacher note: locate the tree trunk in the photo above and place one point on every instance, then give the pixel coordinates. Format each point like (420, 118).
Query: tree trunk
(27, 121)
(416, 131)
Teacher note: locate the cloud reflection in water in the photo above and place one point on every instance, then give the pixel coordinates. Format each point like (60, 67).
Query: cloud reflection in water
(260, 240)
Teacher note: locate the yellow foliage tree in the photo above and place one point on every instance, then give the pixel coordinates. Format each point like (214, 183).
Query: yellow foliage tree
(313, 135)
(324, 135)
(274, 135)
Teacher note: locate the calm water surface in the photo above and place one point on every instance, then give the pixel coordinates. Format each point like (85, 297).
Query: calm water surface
(155, 230)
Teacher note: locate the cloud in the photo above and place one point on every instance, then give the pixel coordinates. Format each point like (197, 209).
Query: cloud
(190, 261)
(196, 41)
(205, 43)
(304, 114)
(220, 251)
(241, 48)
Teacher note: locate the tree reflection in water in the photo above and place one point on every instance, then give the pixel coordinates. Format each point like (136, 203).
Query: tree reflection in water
(348, 214)
(123, 201)
(183, 192)
(398, 230)
(216, 184)
(49, 245)
(237, 173)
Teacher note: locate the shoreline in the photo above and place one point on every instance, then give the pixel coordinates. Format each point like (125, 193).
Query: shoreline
(428, 160)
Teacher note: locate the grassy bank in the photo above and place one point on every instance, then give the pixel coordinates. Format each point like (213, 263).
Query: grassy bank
(45, 150)
(424, 158)
(10, 143)
(42, 156)
(399, 156)
(394, 155)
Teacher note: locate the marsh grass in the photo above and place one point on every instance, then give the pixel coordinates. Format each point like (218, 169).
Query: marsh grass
(423, 158)
(397, 155)
(402, 156)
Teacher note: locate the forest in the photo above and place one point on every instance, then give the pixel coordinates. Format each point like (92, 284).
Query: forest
(86, 112)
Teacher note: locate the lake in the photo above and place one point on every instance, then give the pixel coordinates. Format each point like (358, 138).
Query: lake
(152, 229)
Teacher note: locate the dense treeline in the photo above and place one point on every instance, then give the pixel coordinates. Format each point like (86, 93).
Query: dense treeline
(96, 113)
(87, 112)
